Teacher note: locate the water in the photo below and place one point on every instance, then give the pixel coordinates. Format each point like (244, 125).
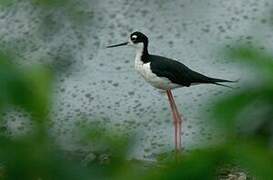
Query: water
(98, 84)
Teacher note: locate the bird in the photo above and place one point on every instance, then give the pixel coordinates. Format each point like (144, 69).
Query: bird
(166, 74)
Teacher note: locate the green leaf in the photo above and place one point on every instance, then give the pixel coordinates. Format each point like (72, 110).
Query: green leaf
(27, 88)
(262, 61)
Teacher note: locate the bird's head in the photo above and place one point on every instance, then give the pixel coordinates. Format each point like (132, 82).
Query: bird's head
(136, 39)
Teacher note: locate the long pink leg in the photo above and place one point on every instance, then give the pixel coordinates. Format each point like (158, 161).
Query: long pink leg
(178, 121)
(169, 94)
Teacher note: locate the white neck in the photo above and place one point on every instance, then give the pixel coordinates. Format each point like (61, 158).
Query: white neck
(139, 51)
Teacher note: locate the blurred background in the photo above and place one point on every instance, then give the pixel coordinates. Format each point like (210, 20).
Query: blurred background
(72, 109)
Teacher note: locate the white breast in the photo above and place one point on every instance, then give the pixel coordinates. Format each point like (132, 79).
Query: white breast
(145, 71)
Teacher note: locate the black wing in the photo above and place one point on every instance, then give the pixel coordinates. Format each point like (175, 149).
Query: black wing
(179, 73)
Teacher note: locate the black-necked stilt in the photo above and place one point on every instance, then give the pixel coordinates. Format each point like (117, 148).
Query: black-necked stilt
(165, 74)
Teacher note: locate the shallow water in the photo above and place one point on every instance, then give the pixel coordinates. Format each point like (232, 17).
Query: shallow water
(100, 84)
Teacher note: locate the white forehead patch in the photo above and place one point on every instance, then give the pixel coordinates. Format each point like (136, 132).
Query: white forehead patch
(134, 36)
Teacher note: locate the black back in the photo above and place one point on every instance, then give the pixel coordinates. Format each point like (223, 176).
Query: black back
(177, 72)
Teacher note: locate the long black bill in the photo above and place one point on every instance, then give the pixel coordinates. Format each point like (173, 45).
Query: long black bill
(116, 45)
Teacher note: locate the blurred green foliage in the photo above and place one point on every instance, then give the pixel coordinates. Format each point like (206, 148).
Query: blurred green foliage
(26, 88)
(251, 107)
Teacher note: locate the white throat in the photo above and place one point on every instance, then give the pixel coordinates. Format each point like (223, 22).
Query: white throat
(139, 52)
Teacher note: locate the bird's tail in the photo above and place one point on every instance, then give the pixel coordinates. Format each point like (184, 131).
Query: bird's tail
(220, 81)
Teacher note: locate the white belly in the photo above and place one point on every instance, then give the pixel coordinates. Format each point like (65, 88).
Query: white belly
(158, 82)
